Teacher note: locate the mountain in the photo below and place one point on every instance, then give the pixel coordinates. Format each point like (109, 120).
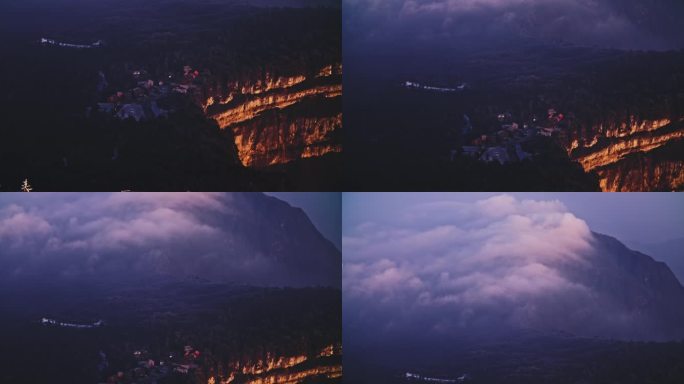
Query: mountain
(502, 290)
(239, 95)
(183, 287)
(285, 235)
(635, 297)
(599, 338)
(240, 238)
(510, 267)
(670, 252)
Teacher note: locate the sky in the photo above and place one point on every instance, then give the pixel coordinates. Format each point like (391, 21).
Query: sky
(323, 208)
(623, 24)
(633, 218)
(439, 263)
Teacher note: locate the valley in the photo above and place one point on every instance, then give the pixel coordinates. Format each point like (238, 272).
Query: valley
(531, 357)
(600, 119)
(216, 95)
(186, 332)
(191, 288)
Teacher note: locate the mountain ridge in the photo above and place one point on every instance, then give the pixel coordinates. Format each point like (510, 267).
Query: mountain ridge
(238, 238)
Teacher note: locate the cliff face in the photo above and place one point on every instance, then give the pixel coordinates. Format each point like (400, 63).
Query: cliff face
(621, 154)
(285, 369)
(642, 174)
(263, 142)
(645, 292)
(266, 129)
(251, 107)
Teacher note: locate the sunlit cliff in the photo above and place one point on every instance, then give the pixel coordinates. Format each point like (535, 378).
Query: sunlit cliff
(642, 174)
(251, 108)
(263, 140)
(285, 370)
(619, 154)
(330, 372)
(266, 142)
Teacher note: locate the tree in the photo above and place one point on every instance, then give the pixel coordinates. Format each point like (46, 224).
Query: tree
(25, 186)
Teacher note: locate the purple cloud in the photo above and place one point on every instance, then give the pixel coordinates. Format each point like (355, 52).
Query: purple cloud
(458, 264)
(248, 238)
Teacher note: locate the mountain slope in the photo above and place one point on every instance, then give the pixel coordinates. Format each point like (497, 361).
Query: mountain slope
(669, 252)
(640, 297)
(242, 238)
(500, 266)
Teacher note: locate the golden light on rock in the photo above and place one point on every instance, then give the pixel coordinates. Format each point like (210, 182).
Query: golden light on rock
(625, 139)
(283, 369)
(276, 142)
(254, 106)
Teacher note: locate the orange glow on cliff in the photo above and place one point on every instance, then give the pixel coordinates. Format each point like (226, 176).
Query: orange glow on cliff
(262, 144)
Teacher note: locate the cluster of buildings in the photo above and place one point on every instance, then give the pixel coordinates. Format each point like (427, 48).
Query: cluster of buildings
(505, 145)
(496, 148)
(141, 102)
(149, 370)
(146, 372)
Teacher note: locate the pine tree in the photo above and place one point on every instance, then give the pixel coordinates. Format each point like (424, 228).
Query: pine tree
(25, 186)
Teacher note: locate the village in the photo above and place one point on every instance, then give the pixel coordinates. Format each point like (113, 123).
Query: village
(505, 145)
(150, 370)
(142, 102)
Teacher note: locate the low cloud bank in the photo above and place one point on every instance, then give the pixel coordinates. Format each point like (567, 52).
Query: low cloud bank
(241, 238)
(452, 269)
(456, 265)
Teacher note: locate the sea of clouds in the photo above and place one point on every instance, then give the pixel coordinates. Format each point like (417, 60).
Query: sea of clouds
(444, 267)
(119, 235)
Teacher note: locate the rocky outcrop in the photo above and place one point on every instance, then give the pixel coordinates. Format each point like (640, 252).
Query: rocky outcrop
(268, 364)
(264, 130)
(302, 376)
(251, 107)
(642, 173)
(265, 142)
(285, 369)
(612, 148)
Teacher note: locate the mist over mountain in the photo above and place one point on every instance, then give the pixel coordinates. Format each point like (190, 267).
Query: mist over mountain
(239, 238)
(607, 23)
(501, 265)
